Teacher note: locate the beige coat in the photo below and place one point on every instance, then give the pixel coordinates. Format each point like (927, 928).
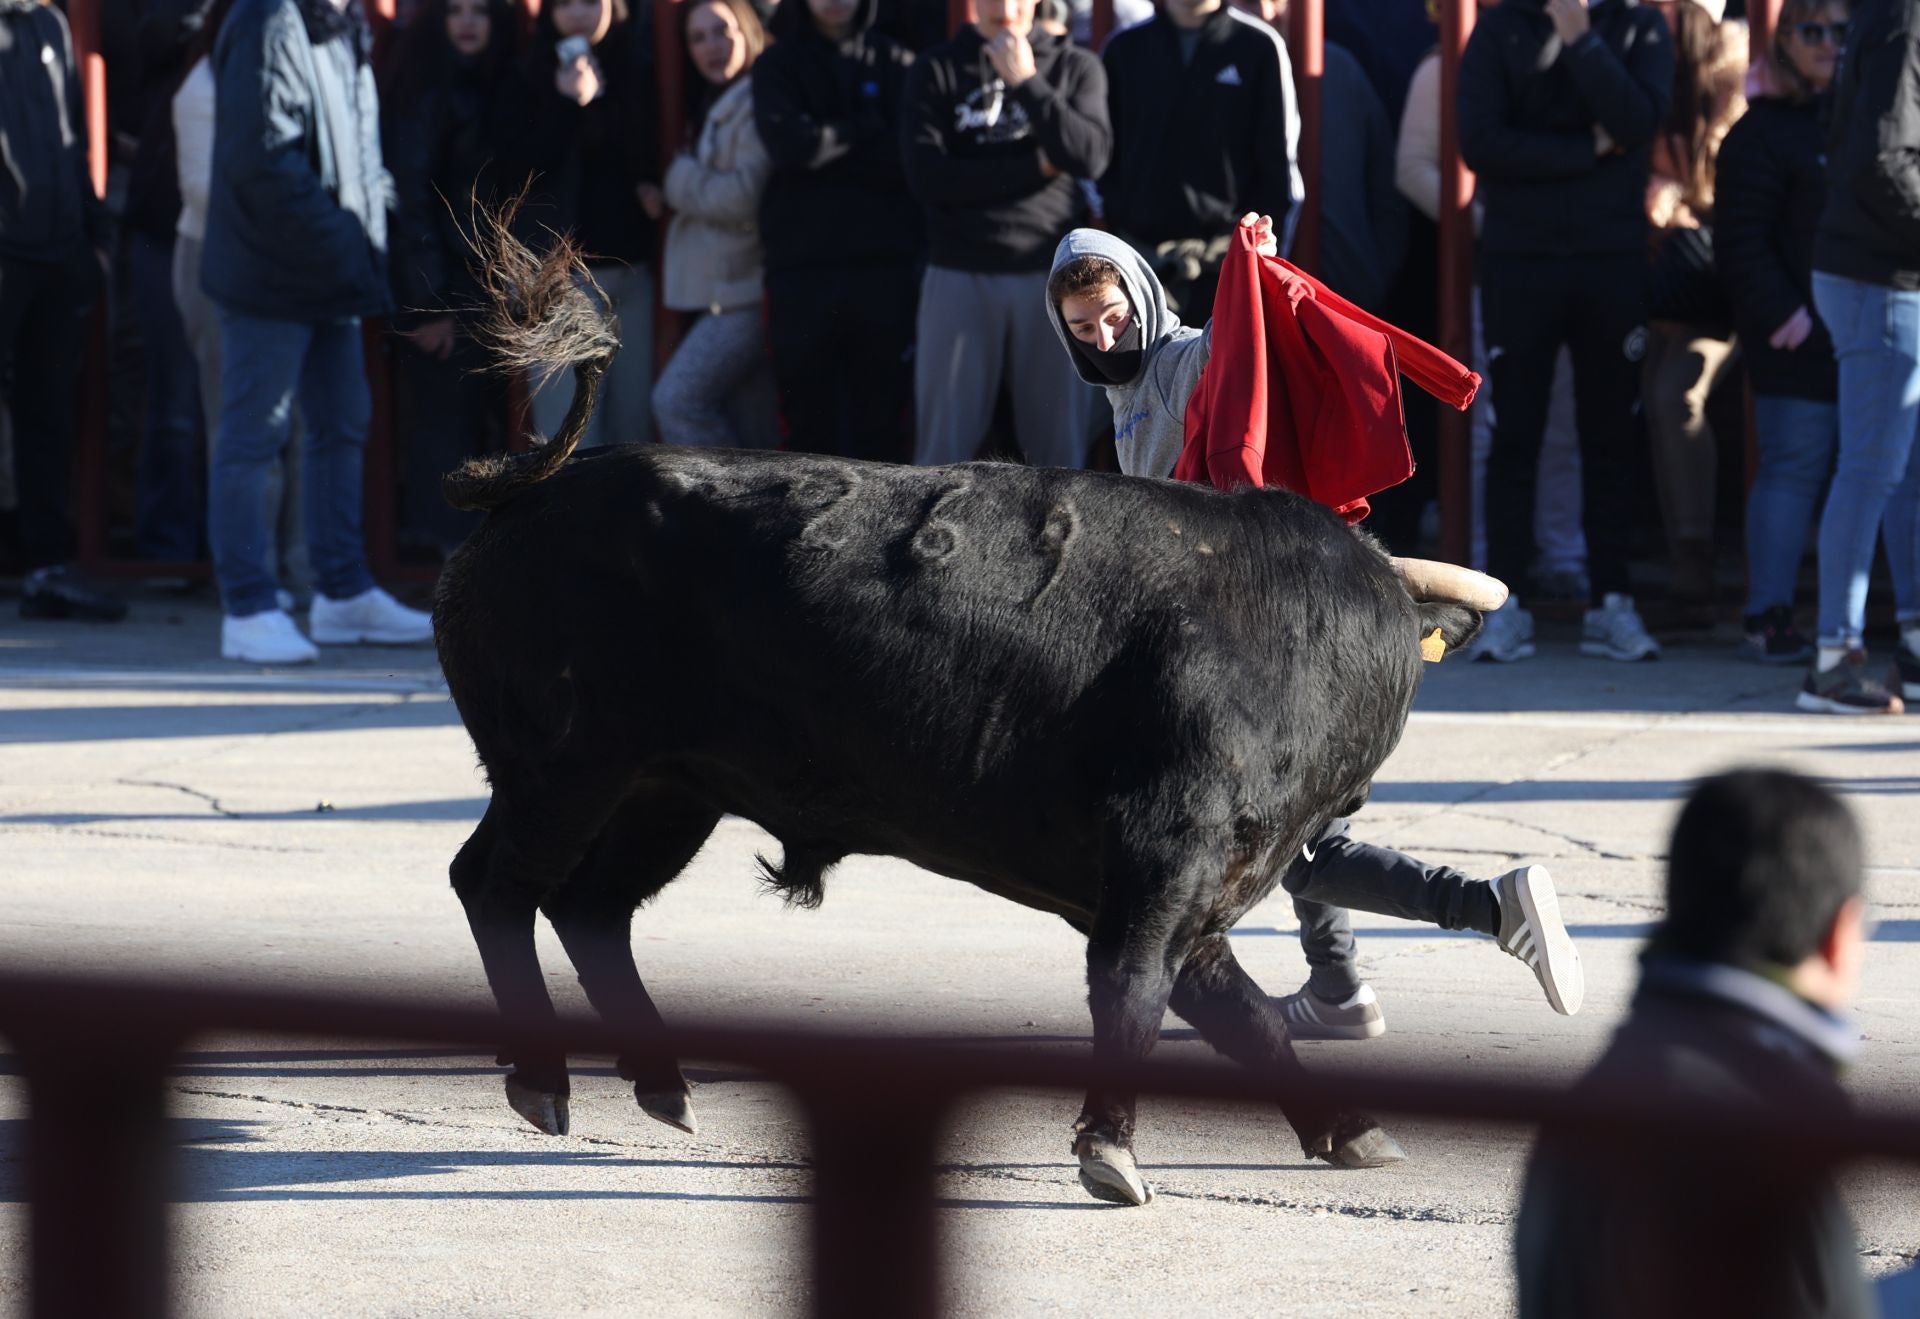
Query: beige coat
(713, 260)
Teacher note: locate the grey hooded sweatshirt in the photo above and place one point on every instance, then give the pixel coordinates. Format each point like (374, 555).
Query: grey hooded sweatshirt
(1149, 411)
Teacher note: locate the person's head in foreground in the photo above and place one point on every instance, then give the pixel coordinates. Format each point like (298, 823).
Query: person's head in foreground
(1765, 875)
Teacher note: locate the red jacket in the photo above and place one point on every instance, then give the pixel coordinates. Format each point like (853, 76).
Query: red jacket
(1302, 388)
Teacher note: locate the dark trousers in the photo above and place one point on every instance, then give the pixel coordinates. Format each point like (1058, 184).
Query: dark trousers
(1336, 874)
(447, 412)
(842, 343)
(171, 522)
(43, 333)
(1596, 306)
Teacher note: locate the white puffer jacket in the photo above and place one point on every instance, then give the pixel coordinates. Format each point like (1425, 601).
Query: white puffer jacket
(713, 260)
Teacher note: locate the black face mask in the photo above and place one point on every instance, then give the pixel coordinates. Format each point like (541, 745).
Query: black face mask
(1120, 364)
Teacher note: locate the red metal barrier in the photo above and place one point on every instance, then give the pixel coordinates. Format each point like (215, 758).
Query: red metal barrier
(95, 1056)
(1306, 42)
(1456, 286)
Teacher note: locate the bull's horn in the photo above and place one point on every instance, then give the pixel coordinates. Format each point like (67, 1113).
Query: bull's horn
(1427, 580)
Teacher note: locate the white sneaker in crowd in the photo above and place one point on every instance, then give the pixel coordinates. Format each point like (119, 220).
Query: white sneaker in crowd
(371, 618)
(1614, 631)
(1505, 636)
(268, 637)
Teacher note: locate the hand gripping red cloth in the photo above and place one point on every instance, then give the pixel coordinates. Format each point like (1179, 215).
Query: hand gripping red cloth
(1302, 388)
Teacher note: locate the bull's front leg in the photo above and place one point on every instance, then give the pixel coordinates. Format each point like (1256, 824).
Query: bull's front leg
(1128, 984)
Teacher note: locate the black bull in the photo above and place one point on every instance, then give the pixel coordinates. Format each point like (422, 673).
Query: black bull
(1125, 702)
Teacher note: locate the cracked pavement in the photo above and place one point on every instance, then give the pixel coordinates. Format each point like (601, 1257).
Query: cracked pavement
(163, 812)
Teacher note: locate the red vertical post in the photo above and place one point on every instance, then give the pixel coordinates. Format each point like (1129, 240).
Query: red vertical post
(1306, 39)
(670, 64)
(959, 14)
(90, 430)
(1102, 24)
(1456, 286)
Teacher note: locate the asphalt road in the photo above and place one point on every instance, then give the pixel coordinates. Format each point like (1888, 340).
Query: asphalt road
(163, 812)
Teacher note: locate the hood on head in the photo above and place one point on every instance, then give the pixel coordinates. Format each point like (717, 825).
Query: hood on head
(1157, 321)
(792, 19)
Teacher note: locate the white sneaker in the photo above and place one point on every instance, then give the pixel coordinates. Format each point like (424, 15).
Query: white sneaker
(268, 637)
(371, 618)
(1505, 636)
(1531, 930)
(1310, 1017)
(1614, 631)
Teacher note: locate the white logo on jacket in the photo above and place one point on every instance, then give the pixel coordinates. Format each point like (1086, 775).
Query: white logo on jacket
(989, 116)
(1229, 76)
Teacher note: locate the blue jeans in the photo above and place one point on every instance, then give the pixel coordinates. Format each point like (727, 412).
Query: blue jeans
(1796, 438)
(264, 365)
(171, 487)
(1876, 337)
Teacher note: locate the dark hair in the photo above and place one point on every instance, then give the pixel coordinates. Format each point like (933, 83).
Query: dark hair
(1081, 276)
(423, 58)
(700, 93)
(1761, 862)
(1792, 14)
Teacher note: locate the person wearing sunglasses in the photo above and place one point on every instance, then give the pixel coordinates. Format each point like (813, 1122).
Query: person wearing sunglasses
(1866, 289)
(1770, 191)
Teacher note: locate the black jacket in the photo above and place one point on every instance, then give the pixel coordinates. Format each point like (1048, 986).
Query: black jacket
(828, 114)
(1642, 1229)
(1196, 146)
(440, 149)
(1769, 188)
(47, 206)
(297, 205)
(1870, 230)
(1528, 107)
(974, 147)
(584, 163)
(168, 30)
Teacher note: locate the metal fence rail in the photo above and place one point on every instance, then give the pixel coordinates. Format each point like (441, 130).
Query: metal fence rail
(96, 1054)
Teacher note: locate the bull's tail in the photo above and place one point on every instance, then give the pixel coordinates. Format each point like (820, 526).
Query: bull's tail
(541, 314)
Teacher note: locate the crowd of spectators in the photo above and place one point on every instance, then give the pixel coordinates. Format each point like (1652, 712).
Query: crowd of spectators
(850, 238)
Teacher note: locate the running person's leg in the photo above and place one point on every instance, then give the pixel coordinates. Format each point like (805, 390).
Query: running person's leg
(1519, 909)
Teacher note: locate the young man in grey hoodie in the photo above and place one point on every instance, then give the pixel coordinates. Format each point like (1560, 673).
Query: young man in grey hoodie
(1112, 317)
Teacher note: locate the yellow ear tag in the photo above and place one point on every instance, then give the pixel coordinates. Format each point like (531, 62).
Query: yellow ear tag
(1433, 647)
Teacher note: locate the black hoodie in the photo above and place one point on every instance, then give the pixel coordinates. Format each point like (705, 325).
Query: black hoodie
(826, 112)
(1528, 107)
(1870, 231)
(974, 148)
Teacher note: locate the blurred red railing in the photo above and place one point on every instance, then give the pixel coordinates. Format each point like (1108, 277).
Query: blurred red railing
(95, 1056)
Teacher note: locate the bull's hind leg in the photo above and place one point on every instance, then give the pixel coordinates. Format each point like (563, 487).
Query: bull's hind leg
(648, 842)
(1235, 1016)
(521, 851)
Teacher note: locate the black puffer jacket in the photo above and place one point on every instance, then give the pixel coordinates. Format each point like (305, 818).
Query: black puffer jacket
(1769, 189)
(1528, 108)
(828, 114)
(47, 206)
(1870, 230)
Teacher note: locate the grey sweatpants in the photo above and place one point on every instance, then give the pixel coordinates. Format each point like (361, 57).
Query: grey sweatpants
(718, 389)
(973, 332)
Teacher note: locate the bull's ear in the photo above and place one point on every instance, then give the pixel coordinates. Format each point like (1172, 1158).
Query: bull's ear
(1446, 627)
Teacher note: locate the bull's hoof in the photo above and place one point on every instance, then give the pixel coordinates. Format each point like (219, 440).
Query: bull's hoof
(545, 1109)
(673, 1107)
(1109, 1172)
(1372, 1148)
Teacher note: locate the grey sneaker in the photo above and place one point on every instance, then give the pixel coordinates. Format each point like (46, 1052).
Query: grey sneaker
(1506, 635)
(1614, 631)
(1310, 1017)
(1531, 930)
